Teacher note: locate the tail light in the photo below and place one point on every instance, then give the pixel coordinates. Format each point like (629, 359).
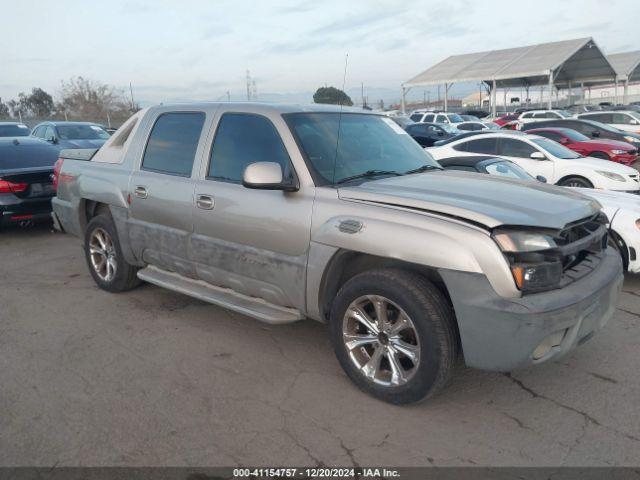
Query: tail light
(10, 187)
(56, 173)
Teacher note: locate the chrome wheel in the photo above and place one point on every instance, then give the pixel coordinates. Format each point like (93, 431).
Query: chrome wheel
(102, 253)
(381, 340)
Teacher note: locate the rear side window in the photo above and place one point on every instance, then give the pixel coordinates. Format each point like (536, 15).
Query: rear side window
(242, 139)
(173, 142)
(428, 118)
(482, 145)
(416, 117)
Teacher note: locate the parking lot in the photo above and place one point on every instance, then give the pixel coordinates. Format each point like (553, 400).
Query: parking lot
(152, 377)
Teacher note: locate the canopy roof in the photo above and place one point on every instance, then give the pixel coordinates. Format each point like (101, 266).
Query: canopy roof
(576, 61)
(627, 65)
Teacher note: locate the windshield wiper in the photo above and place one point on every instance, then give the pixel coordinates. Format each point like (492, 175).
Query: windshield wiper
(368, 174)
(423, 168)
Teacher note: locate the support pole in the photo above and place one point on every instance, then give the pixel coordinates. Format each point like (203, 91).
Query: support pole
(446, 96)
(625, 92)
(615, 91)
(550, 102)
(583, 92)
(494, 109)
(403, 100)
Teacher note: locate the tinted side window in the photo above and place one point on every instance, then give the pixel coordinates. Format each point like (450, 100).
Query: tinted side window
(428, 118)
(550, 135)
(620, 118)
(483, 145)
(416, 117)
(441, 119)
(515, 148)
(600, 117)
(242, 139)
(173, 142)
(49, 133)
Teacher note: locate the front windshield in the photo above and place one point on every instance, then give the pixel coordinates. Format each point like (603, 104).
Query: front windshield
(507, 169)
(555, 149)
(82, 132)
(455, 118)
(563, 113)
(492, 126)
(366, 143)
(634, 114)
(17, 130)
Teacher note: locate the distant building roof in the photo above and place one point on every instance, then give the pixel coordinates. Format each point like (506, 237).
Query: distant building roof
(576, 61)
(626, 64)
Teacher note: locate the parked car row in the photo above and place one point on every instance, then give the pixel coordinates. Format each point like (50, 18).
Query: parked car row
(27, 161)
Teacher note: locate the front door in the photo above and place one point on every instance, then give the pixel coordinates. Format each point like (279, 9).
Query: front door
(519, 151)
(162, 193)
(252, 241)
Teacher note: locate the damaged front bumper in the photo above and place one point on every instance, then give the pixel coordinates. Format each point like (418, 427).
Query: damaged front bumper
(504, 334)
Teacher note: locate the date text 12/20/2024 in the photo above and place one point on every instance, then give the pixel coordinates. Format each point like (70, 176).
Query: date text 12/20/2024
(315, 473)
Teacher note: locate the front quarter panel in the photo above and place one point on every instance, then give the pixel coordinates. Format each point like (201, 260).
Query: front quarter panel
(409, 235)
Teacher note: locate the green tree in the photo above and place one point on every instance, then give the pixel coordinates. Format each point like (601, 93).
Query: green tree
(332, 96)
(4, 109)
(38, 103)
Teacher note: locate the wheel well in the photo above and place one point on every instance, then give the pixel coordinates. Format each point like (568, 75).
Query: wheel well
(600, 155)
(567, 177)
(90, 209)
(622, 246)
(346, 264)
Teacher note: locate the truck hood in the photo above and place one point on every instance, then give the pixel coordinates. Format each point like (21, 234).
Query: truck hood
(482, 199)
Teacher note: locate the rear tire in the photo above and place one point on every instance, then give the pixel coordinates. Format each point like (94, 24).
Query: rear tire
(406, 346)
(576, 182)
(601, 155)
(104, 256)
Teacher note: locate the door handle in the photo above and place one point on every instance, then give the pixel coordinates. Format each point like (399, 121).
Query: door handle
(205, 202)
(141, 192)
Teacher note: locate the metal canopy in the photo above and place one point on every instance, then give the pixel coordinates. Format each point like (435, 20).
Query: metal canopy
(570, 62)
(627, 65)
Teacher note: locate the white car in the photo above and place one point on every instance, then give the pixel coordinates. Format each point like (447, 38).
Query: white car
(452, 119)
(623, 212)
(537, 115)
(540, 156)
(625, 120)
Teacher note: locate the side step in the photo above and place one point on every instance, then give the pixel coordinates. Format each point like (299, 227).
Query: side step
(224, 297)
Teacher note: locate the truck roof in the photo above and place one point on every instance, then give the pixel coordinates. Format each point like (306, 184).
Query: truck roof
(258, 107)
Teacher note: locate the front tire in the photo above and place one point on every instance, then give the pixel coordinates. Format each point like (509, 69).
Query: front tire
(104, 256)
(394, 335)
(600, 155)
(575, 182)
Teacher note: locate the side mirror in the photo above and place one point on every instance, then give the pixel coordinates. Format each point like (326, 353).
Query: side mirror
(633, 122)
(542, 179)
(440, 133)
(564, 141)
(266, 176)
(538, 156)
(595, 133)
(52, 140)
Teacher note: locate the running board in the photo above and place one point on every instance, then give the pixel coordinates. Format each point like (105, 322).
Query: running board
(225, 297)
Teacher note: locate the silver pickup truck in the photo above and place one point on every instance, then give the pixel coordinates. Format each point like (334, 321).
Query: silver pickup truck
(288, 212)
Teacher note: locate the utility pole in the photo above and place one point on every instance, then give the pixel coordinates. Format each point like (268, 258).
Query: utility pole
(248, 86)
(228, 96)
(133, 103)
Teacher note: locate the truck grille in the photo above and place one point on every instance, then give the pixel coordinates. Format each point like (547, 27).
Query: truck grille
(581, 247)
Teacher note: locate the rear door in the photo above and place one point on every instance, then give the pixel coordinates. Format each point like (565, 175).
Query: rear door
(161, 192)
(253, 241)
(625, 122)
(519, 151)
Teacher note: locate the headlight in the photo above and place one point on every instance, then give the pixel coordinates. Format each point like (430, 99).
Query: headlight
(530, 254)
(618, 152)
(523, 241)
(611, 176)
(631, 139)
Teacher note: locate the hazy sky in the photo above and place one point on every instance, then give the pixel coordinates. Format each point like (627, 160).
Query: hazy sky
(197, 49)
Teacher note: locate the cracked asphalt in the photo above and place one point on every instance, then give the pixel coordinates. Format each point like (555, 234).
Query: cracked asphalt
(152, 377)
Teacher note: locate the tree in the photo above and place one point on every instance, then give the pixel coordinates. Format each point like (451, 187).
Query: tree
(4, 109)
(332, 96)
(84, 98)
(38, 104)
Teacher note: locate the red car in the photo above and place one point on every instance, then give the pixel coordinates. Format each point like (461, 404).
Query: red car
(620, 152)
(506, 118)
